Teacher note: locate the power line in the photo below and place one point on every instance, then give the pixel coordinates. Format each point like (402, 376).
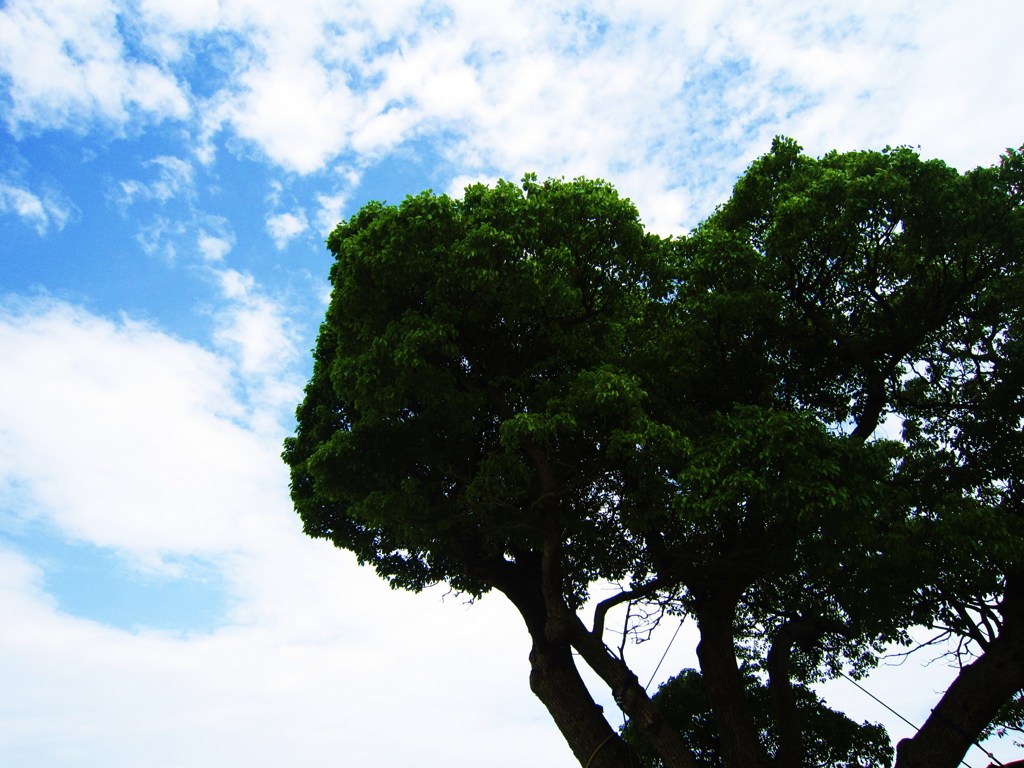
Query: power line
(869, 693)
(655, 672)
(992, 757)
(842, 674)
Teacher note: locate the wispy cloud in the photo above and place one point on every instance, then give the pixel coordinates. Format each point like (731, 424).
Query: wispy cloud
(172, 177)
(254, 331)
(214, 247)
(159, 236)
(41, 212)
(330, 210)
(165, 208)
(285, 227)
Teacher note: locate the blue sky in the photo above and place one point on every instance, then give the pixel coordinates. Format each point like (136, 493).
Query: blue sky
(169, 170)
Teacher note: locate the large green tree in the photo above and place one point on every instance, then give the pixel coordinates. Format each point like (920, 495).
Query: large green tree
(523, 391)
(898, 290)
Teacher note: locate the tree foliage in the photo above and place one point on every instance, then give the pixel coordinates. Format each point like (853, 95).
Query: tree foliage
(833, 739)
(800, 425)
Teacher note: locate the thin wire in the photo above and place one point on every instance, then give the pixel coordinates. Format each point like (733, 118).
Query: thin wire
(843, 674)
(901, 717)
(869, 693)
(664, 655)
(593, 754)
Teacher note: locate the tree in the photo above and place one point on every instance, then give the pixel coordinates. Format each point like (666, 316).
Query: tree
(964, 425)
(470, 391)
(902, 288)
(523, 391)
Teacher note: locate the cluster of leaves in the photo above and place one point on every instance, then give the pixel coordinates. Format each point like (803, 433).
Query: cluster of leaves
(464, 336)
(833, 740)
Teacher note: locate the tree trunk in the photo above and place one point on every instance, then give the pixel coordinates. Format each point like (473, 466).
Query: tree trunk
(805, 631)
(556, 681)
(554, 678)
(737, 733)
(790, 752)
(630, 696)
(974, 698)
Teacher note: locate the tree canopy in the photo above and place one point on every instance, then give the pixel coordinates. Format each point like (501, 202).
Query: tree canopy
(799, 425)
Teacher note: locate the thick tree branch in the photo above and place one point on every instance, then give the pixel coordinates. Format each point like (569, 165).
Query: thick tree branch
(630, 695)
(976, 695)
(724, 684)
(873, 407)
(804, 632)
(562, 625)
(554, 677)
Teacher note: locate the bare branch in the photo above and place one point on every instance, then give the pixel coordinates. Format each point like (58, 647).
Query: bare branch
(625, 630)
(601, 611)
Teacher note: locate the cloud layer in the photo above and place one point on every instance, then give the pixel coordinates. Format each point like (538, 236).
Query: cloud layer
(663, 102)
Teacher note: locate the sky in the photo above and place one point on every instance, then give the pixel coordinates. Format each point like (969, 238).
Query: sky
(169, 171)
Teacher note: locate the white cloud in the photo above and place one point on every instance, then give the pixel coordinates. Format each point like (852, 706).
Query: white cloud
(24, 204)
(170, 25)
(163, 408)
(604, 89)
(343, 666)
(174, 177)
(331, 208)
(253, 330)
(285, 227)
(41, 213)
(295, 112)
(213, 248)
(960, 97)
(640, 93)
(127, 438)
(67, 66)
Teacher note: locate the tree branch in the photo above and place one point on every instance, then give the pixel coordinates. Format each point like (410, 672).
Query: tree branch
(630, 696)
(802, 631)
(602, 608)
